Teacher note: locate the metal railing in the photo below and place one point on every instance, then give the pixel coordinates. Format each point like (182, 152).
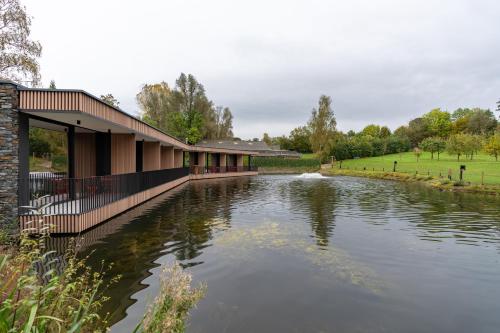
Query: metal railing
(200, 170)
(67, 196)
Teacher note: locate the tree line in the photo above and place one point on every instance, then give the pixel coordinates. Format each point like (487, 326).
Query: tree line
(184, 111)
(463, 132)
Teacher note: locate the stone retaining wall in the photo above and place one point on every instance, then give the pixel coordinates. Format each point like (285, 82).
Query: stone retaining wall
(9, 157)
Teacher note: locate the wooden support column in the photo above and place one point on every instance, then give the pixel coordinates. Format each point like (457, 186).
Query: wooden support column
(201, 159)
(103, 153)
(222, 162)
(167, 157)
(151, 157)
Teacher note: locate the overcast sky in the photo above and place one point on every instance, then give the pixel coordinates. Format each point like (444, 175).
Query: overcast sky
(382, 62)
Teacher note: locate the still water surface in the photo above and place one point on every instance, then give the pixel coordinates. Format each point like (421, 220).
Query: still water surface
(290, 254)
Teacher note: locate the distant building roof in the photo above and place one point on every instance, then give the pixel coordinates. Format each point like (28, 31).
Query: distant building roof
(258, 146)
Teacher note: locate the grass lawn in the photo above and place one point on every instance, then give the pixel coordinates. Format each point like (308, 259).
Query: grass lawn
(308, 156)
(407, 163)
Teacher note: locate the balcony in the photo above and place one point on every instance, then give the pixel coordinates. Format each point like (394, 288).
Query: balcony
(69, 196)
(203, 170)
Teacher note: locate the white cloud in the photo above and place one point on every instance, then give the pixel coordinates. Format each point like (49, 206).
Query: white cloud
(381, 61)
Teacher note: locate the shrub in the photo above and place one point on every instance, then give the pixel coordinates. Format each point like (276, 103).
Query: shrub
(276, 162)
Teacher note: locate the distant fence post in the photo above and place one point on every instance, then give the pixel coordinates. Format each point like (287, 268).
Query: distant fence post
(482, 178)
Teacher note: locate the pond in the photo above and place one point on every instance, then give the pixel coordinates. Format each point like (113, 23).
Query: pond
(292, 254)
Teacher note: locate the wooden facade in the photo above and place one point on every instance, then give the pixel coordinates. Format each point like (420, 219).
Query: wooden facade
(104, 141)
(85, 156)
(167, 157)
(151, 156)
(122, 153)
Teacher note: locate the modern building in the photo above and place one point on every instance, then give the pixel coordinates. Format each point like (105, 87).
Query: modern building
(115, 161)
(262, 148)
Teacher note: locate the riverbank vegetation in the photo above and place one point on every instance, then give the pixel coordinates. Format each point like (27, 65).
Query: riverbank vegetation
(42, 291)
(440, 183)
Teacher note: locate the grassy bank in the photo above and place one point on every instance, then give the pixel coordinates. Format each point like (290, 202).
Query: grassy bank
(482, 169)
(439, 183)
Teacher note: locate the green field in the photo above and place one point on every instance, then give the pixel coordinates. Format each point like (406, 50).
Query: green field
(308, 156)
(407, 163)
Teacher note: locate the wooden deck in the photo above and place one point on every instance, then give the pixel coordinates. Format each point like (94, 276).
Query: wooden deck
(70, 223)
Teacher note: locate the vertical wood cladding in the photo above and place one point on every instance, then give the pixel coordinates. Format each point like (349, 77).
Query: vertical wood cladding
(167, 157)
(122, 153)
(222, 161)
(201, 159)
(151, 157)
(178, 158)
(85, 155)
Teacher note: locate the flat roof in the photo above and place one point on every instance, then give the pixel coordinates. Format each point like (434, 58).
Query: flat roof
(80, 108)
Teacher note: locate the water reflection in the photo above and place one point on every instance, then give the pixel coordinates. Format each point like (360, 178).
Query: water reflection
(180, 222)
(316, 200)
(341, 253)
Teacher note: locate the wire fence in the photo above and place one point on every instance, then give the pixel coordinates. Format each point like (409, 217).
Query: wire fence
(473, 176)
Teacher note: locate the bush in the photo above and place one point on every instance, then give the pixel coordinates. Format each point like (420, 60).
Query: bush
(60, 162)
(276, 162)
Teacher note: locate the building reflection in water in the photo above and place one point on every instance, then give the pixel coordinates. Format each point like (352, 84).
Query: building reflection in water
(180, 222)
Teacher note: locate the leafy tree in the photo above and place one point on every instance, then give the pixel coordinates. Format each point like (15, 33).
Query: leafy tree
(361, 146)
(492, 146)
(185, 111)
(401, 132)
(472, 144)
(283, 142)
(351, 133)
(323, 125)
(433, 145)
(223, 123)
(438, 122)
(371, 130)
(299, 139)
(267, 139)
(110, 100)
(155, 103)
(18, 53)
(385, 132)
(461, 113)
(341, 147)
(193, 112)
(456, 145)
(418, 129)
(52, 84)
(481, 122)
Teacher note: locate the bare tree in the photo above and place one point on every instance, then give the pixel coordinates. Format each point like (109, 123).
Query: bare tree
(18, 53)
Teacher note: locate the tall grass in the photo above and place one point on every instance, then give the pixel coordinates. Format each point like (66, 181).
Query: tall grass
(41, 291)
(170, 308)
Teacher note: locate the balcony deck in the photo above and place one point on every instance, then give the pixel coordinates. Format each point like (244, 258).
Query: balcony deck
(75, 205)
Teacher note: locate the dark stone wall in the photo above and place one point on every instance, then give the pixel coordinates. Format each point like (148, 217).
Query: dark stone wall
(9, 157)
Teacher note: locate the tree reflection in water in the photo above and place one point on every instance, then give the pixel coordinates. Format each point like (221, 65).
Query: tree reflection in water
(317, 199)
